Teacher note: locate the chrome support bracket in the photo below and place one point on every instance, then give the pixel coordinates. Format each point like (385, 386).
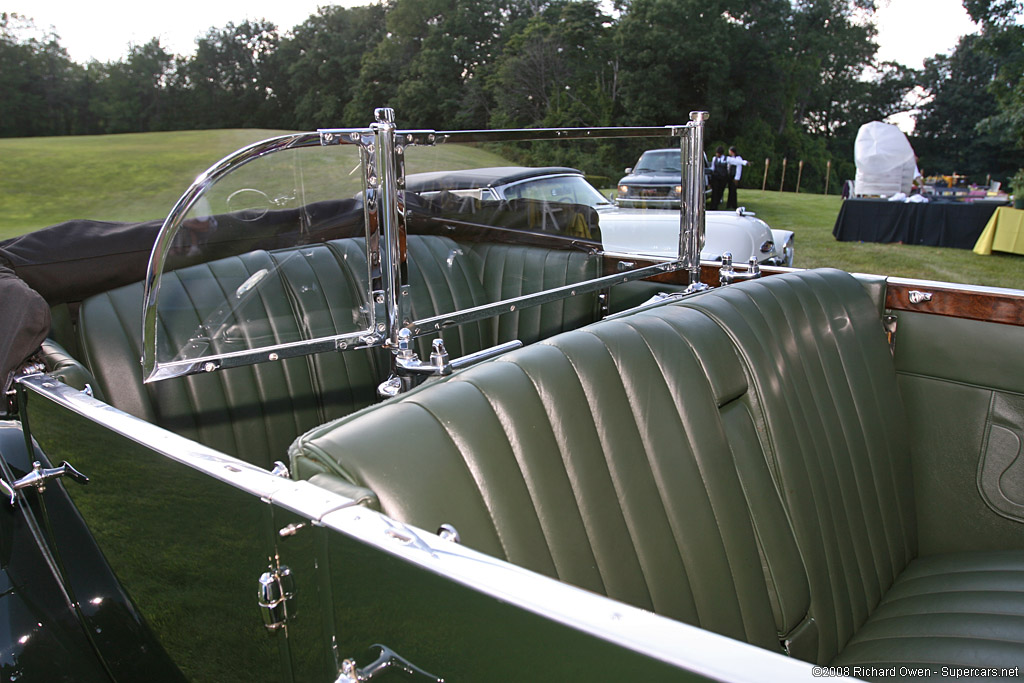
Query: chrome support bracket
(691, 218)
(408, 364)
(39, 476)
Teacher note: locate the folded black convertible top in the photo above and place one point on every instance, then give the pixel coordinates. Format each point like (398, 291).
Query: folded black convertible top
(76, 259)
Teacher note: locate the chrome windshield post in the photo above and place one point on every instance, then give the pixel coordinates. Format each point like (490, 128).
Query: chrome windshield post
(384, 178)
(691, 232)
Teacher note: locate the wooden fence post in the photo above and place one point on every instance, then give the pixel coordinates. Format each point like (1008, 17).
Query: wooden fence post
(764, 181)
(782, 180)
(828, 172)
(799, 174)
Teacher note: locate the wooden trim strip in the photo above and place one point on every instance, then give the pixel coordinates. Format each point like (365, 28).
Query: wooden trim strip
(997, 306)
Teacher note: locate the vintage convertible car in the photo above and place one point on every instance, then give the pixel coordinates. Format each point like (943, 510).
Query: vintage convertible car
(381, 437)
(635, 230)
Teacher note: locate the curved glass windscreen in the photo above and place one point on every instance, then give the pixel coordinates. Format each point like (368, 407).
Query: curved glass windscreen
(267, 258)
(337, 240)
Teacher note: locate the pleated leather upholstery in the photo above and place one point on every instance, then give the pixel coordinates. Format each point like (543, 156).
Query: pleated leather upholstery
(658, 458)
(252, 412)
(599, 457)
(255, 412)
(956, 610)
(510, 271)
(834, 433)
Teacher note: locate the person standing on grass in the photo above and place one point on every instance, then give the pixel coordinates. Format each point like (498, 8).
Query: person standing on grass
(736, 163)
(720, 173)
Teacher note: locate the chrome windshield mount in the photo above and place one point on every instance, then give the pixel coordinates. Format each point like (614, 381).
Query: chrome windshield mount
(691, 218)
(409, 368)
(728, 274)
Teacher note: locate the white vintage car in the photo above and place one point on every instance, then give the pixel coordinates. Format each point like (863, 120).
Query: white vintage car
(650, 232)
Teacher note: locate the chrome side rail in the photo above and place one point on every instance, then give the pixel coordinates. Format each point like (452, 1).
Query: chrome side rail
(431, 325)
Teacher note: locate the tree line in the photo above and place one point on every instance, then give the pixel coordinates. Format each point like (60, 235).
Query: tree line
(781, 78)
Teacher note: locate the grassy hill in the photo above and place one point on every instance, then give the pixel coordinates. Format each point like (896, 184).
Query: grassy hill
(130, 177)
(137, 177)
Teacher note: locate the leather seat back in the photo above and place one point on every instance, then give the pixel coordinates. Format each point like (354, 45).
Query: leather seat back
(601, 457)
(824, 393)
(255, 412)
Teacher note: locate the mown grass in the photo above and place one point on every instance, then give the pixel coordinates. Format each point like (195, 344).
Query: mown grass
(137, 177)
(132, 177)
(812, 218)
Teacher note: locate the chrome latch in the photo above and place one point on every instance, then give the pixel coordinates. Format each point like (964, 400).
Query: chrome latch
(408, 363)
(277, 597)
(39, 476)
(917, 297)
(387, 660)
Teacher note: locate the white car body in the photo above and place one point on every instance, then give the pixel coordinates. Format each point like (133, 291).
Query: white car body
(647, 232)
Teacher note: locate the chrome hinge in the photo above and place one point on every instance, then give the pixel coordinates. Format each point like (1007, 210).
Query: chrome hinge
(387, 660)
(889, 323)
(277, 597)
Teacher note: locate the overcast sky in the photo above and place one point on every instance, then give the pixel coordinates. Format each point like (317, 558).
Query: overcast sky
(909, 30)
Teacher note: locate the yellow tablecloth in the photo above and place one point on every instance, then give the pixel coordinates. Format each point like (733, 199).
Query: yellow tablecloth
(1003, 232)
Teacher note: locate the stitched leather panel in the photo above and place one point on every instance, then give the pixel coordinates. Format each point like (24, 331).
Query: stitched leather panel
(444, 278)
(963, 609)
(833, 426)
(598, 457)
(252, 412)
(509, 271)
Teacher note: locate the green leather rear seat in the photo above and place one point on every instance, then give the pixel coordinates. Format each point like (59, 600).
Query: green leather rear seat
(255, 412)
(834, 433)
(665, 458)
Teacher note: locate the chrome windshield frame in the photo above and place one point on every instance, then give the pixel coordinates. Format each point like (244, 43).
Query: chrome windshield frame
(382, 149)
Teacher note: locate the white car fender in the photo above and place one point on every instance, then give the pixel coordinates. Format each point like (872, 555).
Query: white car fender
(656, 233)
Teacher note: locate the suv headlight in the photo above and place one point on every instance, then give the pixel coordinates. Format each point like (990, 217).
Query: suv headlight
(623, 189)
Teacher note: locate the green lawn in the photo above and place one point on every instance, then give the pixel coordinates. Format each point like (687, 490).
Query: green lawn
(129, 177)
(140, 176)
(812, 217)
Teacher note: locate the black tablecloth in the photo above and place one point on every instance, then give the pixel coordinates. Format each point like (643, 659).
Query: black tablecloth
(935, 224)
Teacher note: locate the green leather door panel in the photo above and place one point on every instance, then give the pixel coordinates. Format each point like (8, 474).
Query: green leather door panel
(963, 385)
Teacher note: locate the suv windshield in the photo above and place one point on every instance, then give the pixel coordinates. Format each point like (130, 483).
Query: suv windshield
(666, 160)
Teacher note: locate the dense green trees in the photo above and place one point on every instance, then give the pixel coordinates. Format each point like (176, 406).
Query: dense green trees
(781, 78)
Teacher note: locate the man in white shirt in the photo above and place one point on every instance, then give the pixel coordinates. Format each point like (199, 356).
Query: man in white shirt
(721, 172)
(736, 163)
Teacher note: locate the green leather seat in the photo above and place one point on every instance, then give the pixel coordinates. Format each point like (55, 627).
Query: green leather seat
(652, 457)
(599, 457)
(823, 389)
(255, 412)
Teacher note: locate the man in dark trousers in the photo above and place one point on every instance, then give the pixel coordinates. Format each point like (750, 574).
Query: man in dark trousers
(720, 174)
(736, 163)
